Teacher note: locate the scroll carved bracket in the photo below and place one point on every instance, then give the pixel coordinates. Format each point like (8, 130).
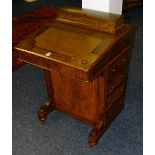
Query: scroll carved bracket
(96, 132)
(45, 110)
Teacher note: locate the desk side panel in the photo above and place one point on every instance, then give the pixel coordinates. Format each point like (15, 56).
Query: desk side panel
(82, 100)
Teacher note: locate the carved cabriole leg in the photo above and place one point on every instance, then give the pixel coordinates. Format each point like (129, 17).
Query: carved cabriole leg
(49, 104)
(96, 132)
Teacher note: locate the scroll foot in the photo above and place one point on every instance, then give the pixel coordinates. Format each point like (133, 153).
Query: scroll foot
(45, 110)
(96, 133)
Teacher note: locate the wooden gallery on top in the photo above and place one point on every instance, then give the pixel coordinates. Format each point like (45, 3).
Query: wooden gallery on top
(84, 57)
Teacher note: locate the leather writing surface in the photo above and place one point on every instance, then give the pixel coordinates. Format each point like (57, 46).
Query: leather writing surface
(75, 50)
(66, 42)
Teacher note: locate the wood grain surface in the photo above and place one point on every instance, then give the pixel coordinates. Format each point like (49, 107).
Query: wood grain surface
(84, 57)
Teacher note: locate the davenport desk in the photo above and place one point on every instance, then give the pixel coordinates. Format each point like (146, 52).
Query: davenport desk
(84, 57)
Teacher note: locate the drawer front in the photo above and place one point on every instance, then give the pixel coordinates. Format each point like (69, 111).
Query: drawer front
(114, 110)
(116, 79)
(111, 87)
(115, 95)
(116, 71)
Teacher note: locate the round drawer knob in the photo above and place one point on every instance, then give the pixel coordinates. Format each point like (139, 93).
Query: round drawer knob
(124, 60)
(112, 86)
(114, 70)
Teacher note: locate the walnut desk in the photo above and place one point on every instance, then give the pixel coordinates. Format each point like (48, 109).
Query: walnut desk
(84, 57)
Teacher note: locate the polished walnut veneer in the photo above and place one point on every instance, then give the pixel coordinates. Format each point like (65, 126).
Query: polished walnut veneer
(84, 57)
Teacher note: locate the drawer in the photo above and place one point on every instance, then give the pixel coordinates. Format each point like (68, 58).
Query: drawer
(114, 84)
(115, 95)
(113, 111)
(116, 71)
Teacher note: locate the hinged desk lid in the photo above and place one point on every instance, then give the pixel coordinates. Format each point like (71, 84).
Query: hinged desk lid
(67, 49)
